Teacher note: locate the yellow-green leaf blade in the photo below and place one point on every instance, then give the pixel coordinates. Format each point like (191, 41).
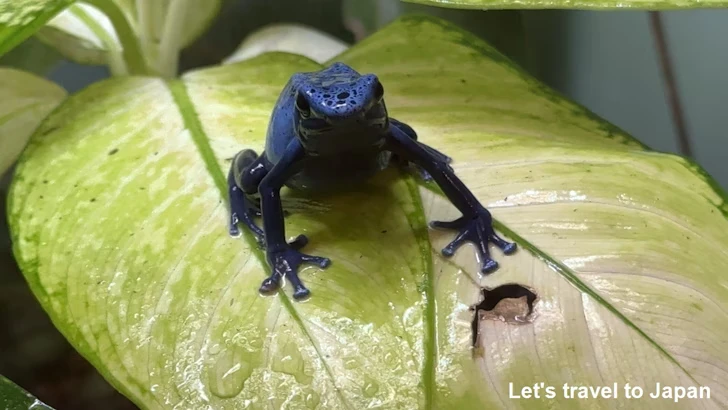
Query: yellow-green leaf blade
(20, 19)
(26, 101)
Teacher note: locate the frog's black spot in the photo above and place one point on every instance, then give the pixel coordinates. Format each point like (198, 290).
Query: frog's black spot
(327, 95)
(343, 95)
(113, 151)
(462, 80)
(491, 298)
(329, 103)
(354, 92)
(384, 231)
(93, 199)
(352, 102)
(45, 181)
(341, 102)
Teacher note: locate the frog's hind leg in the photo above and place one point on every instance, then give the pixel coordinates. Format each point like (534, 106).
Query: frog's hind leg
(246, 172)
(412, 134)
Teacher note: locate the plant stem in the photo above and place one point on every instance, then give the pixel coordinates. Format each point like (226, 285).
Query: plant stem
(116, 62)
(171, 42)
(671, 88)
(133, 56)
(146, 24)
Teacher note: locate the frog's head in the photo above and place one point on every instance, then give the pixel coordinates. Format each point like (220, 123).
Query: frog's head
(337, 109)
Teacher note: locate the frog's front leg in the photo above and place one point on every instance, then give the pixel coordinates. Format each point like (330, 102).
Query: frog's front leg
(410, 132)
(283, 258)
(476, 224)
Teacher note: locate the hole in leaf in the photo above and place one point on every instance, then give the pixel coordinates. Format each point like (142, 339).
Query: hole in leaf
(509, 303)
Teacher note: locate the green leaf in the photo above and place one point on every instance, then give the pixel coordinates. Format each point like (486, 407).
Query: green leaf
(85, 34)
(574, 4)
(20, 19)
(26, 101)
(126, 245)
(290, 38)
(32, 56)
(82, 33)
(12, 397)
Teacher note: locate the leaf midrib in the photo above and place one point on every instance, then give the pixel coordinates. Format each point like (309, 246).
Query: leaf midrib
(192, 123)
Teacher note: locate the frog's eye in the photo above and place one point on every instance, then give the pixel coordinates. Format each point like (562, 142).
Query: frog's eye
(302, 106)
(378, 91)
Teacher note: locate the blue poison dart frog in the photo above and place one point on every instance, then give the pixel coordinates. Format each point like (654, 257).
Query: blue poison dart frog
(330, 129)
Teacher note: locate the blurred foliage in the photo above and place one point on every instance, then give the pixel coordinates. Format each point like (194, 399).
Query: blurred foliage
(33, 55)
(237, 19)
(13, 397)
(501, 28)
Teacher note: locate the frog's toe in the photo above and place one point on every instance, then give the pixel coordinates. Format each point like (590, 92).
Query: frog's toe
(453, 246)
(321, 261)
(488, 266)
(508, 248)
(299, 242)
(234, 231)
(270, 285)
(301, 293)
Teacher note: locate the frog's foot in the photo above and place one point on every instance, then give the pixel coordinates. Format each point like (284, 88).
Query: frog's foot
(285, 261)
(479, 231)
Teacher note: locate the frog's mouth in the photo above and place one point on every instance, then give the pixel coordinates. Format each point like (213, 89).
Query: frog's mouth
(315, 126)
(318, 126)
(325, 136)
